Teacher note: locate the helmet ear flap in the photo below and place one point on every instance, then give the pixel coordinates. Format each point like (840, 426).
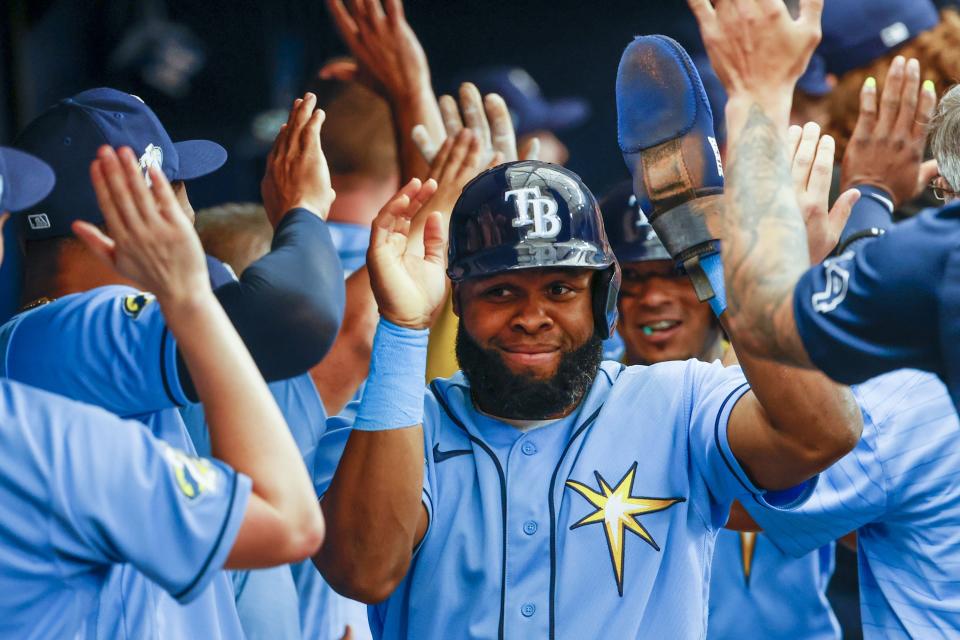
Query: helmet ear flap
(606, 290)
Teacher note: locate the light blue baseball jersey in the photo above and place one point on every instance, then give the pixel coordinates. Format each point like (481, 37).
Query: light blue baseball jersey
(292, 601)
(758, 591)
(602, 523)
(110, 347)
(900, 490)
(82, 491)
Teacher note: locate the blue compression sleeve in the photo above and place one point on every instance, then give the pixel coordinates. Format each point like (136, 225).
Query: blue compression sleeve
(287, 306)
(871, 216)
(393, 396)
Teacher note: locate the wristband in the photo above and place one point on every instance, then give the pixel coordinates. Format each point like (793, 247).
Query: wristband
(713, 268)
(393, 396)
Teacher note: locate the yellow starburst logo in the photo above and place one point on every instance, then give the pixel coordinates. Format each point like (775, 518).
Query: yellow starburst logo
(617, 509)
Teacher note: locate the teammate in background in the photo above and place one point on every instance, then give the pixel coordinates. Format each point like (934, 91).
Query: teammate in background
(858, 44)
(282, 602)
(535, 119)
(660, 320)
(846, 316)
(203, 514)
(360, 145)
(106, 343)
(535, 286)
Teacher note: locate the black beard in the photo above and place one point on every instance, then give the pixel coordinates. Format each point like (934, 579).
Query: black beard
(500, 392)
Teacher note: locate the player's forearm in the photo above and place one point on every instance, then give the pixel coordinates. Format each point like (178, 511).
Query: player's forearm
(413, 108)
(374, 501)
(764, 239)
(342, 371)
(247, 430)
(374, 513)
(807, 422)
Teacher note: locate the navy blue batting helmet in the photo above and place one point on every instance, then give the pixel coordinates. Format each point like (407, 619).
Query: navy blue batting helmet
(630, 233)
(531, 214)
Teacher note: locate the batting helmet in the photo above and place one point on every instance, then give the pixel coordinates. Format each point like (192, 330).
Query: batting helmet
(627, 227)
(527, 215)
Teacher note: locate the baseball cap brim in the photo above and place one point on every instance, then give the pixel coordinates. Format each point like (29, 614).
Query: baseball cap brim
(199, 158)
(560, 114)
(26, 179)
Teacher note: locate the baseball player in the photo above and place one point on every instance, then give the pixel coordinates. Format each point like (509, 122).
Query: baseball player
(884, 305)
(540, 493)
(660, 320)
(104, 342)
(86, 493)
(899, 490)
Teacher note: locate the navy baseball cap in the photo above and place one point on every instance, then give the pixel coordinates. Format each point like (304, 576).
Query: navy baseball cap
(24, 180)
(530, 110)
(855, 33)
(67, 136)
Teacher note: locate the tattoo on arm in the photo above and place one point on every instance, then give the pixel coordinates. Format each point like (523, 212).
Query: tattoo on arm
(765, 248)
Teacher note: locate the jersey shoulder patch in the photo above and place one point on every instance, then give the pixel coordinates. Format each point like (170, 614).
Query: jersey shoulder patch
(836, 283)
(194, 476)
(134, 304)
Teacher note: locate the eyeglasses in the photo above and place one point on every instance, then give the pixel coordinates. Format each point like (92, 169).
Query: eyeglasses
(940, 192)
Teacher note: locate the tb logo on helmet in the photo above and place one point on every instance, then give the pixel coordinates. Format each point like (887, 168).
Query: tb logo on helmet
(535, 210)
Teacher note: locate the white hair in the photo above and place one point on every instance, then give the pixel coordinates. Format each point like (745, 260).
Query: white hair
(945, 137)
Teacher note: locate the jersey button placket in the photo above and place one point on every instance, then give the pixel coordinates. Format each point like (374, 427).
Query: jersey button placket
(528, 448)
(529, 527)
(528, 610)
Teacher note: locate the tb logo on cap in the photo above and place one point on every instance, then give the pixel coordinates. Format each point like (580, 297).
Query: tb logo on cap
(535, 210)
(152, 157)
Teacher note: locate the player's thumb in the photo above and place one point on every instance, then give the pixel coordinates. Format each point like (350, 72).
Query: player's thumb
(435, 239)
(840, 212)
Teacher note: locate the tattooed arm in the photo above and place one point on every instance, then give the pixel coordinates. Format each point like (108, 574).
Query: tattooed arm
(765, 243)
(759, 51)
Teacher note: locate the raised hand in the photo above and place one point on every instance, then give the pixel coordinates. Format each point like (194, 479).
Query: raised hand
(756, 47)
(886, 148)
(389, 56)
(407, 275)
(489, 119)
(812, 171)
(297, 175)
(151, 240)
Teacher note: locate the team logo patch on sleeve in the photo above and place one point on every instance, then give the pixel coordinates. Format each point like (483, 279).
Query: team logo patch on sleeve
(194, 476)
(617, 509)
(134, 304)
(837, 280)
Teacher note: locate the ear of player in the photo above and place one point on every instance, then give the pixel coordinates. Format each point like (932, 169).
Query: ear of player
(665, 133)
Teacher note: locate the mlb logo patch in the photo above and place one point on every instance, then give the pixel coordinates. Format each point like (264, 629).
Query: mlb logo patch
(38, 221)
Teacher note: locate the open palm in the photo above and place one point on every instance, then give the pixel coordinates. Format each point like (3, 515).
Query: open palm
(408, 276)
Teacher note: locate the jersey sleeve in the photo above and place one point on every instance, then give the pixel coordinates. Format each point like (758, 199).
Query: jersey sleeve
(715, 390)
(123, 496)
(848, 495)
(109, 347)
(877, 308)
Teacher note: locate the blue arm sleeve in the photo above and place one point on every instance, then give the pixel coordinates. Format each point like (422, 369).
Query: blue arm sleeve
(108, 347)
(879, 308)
(288, 305)
(871, 216)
